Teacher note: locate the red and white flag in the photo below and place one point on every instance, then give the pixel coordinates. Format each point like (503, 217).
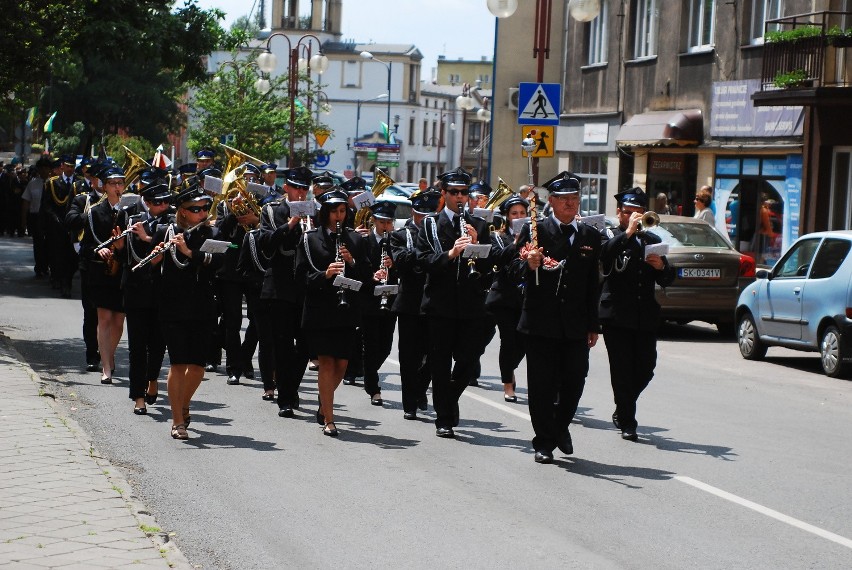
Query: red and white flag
(160, 160)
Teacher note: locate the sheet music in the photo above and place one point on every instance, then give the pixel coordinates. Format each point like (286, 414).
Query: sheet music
(346, 283)
(388, 289)
(363, 200)
(212, 184)
(215, 246)
(518, 225)
(127, 200)
(303, 208)
(259, 190)
(476, 250)
(656, 248)
(486, 214)
(597, 220)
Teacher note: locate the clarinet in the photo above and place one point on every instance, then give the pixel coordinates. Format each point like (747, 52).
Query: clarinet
(383, 303)
(471, 262)
(341, 292)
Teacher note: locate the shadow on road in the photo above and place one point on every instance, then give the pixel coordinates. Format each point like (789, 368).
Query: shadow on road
(612, 473)
(672, 332)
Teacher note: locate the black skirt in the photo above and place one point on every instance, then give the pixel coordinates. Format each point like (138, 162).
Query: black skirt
(105, 290)
(188, 342)
(338, 342)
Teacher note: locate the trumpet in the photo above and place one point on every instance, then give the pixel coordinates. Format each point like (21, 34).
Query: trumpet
(471, 262)
(341, 292)
(168, 247)
(649, 220)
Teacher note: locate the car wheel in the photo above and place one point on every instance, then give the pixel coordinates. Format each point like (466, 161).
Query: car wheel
(751, 347)
(830, 353)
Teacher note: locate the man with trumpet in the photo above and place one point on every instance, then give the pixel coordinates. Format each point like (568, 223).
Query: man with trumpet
(454, 296)
(629, 311)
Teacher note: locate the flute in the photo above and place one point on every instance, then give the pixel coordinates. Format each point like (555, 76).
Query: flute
(169, 246)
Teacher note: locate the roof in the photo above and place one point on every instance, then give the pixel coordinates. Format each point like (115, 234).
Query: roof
(683, 127)
(406, 50)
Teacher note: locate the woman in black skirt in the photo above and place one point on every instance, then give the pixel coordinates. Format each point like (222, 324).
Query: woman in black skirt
(331, 314)
(186, 292)
(103, 266)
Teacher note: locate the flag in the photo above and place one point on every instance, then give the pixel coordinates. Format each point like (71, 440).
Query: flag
(31, 116)
(48, 125)
(160, 160)
(385, 130)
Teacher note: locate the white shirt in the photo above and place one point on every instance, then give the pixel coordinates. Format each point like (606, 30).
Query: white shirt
(32, 193)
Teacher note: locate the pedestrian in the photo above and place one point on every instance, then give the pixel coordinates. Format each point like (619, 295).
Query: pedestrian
(558, 263)
(629, 312)
(31, 204)
(55, 202)
(703, 199)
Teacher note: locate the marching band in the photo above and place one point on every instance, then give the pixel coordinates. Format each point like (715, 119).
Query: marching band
(325, 276)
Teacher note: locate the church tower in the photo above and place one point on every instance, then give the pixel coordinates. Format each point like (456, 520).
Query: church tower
(326, 16)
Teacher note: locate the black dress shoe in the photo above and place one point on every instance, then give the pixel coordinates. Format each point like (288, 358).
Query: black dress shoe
(267, 397)
(211, 368)
(249, 373)
(445, 432)
(615, 421)
(233, 380)
(349, 380)
(423, 403)
(409, 415)
(93, 367)
(376, 401)
(106, 379)
(140, 411)
(509, 398)
(474, 382)
(543, 457)
(330, 430)
(151, 399)
(565, 444)
(285, 412)
(629, 434)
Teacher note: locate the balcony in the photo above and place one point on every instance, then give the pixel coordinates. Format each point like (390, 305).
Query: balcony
(805, 61)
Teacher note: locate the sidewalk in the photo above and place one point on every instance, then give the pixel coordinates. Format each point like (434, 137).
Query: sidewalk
(62, 506)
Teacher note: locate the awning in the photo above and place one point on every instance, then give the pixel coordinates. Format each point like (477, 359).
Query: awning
(663, 128)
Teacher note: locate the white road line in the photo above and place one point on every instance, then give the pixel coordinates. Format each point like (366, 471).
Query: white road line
(841, 540)
(484, 400)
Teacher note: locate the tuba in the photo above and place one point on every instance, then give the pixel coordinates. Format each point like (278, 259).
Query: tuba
(234, 185)
(500, 195)
(133, 167)
(381, 182)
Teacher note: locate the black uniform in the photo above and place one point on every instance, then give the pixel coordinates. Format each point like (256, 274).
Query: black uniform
(102, 280)
(145, 341)
(454, 303)
(557, 316)
(74, 220)
(252, 266)
(413, 325)
(504, 304)
(55, 202)
(283, 350)
(629, 313)
(378, 320)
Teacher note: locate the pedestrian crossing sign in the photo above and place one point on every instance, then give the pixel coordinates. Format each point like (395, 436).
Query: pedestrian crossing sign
(544, 140)
(539, 103)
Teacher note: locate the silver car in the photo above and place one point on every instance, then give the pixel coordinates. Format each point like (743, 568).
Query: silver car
(804, 302)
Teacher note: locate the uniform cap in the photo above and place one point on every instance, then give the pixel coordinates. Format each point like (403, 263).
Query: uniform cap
(457, 177)
(425, 201)
(298, 177)
(383, 209)
(635, 197)
(335, 195)
(513, 200)
(354, 184)
(563, 184)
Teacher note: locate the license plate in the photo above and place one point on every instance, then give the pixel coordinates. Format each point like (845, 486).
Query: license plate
(699, 273)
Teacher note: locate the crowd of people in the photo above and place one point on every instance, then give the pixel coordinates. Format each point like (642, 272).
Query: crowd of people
(177, 255)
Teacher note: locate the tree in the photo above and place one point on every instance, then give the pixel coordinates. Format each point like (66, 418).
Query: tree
(259, 122)
(246, 25)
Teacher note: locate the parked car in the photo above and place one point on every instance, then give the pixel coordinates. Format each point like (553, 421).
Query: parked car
(403, 208)
(710, 273)
(804, 302)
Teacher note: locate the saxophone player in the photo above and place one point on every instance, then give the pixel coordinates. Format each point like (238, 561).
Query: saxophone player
(453, 297)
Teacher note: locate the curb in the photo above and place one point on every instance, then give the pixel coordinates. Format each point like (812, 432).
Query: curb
(159, 539)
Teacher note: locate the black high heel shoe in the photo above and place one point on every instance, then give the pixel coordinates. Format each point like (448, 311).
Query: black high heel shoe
(330, 431)
(151, 399)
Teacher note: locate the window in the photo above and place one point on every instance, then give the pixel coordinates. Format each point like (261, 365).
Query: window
(351, 74)
(591, 168)
(839, 215)
(831, 255)
(474, 134)
(762, 10)
(598, 37)
(798, 260)
(702, 14)
(411, 131)
(645, 32)
(425, 133)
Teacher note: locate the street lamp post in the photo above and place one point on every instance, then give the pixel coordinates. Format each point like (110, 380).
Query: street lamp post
(483, 115)
(267, 61)
(465, 103)
(358, 104)
(387, 64)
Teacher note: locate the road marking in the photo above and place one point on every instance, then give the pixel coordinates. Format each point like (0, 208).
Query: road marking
(483, 399)
(836, 538)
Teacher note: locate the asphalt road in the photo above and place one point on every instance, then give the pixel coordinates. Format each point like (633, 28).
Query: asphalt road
(739, 464)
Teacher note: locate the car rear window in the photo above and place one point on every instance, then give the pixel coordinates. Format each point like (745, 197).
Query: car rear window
(689, 235)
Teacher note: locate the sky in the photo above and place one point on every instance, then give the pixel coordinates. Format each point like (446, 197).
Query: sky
(454, 28)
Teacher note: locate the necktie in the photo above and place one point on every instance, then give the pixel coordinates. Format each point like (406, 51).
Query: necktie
(567, 230)
(456, 225)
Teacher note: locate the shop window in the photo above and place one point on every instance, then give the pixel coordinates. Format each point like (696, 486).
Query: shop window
(591, 169)
(761, 11)
(598, 37)
(702, 15)
(645, 29)
(840, 210)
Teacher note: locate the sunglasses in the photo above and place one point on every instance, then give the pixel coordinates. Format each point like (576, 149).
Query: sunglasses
(457, 192)
(197, 209)
(158, 201)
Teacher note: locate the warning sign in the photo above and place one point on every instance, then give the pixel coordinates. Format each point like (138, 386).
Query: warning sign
(538, 103)
(544, 140)
(321, 135)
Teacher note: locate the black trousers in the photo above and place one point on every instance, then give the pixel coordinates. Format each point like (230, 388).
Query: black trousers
(377, 331)
(632, 359)
(214, 348)
(238, 352)
(556, 375)
(355, 367)
(450, 340)
(90, 319)
(146, 345)
(511, 341)
(414, 371)
(62, 258)
(283, 350)
(39, 244)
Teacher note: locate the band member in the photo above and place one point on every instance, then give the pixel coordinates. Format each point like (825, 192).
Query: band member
(283, 350)
(454, 297)
(331, 313)
(321, 183)
(99, 223)
(353, 187)
(145, 341)
(413, 336)
(56, 201)
(90, 193)
(204, 159)
(559, 313)
(269, 173)
(378, 321)
(252, 266)
(629, 311)
(504, 296)
(186, 292)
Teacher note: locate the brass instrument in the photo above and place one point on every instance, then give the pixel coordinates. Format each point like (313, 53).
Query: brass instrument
(381, 182)
(649, 220)
(471, 262)
(500, 195)
(234, 185)
(383, 303)
(338, 257)
(133, 166)
(236, 158)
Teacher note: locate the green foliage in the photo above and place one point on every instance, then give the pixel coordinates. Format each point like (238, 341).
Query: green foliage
(792, 35)
(230, 104)
(115, 144)
(69, 141)
(247, 25)
(795, 78)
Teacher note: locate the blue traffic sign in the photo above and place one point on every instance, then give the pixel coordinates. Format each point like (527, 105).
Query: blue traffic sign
(538, 103)
(322, 159)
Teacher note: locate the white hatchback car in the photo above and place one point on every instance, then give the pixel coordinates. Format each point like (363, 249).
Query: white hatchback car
(804, 302)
